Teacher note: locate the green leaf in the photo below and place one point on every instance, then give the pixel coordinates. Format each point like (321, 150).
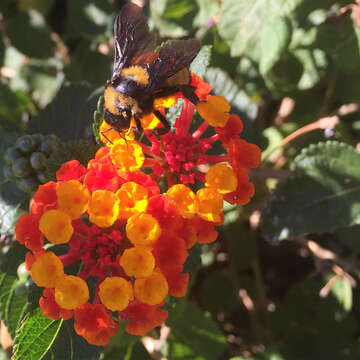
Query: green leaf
(88, 65)
(207, 10)
(340, 40)
(35, 337)
(89, 18)
(68, 116)
(274, 43)
(43, 338)
(11, 109)
(132, 352)
(195, 335)
(218, 292)
(322, 197)
(202, 61)
(12, 307)
(343, 292)
(244, 23)
(167, 28)
(11, 257)
(29, 28)
(43, 77)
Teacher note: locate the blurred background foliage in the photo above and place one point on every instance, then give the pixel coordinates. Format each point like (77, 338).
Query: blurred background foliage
(282, 280)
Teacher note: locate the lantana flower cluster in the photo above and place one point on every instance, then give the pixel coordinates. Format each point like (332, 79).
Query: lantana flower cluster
(108, 242)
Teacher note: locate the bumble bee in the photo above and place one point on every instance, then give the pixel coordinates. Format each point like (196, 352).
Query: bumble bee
(144, 70)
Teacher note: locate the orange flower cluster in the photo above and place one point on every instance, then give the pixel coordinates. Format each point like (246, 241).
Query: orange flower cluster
(121, 229)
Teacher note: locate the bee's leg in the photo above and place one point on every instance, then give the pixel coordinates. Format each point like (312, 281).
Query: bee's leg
(162, 118)
(188, 92)
(138, 124)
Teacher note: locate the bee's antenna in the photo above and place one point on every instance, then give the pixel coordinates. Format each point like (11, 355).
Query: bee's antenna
(102, 132)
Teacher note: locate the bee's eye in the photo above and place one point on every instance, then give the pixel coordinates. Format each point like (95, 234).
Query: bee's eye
(127, 86)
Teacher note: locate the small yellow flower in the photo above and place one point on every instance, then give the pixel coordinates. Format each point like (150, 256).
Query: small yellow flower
(56, 226)
(184, 199)
(73, 198)
(71, 292)
(143, 229)
(115, 293)
(47, 269)
(209, 204)
(133, 199)
(127, 155)
(103, 208)
(215, 110)
(222, 178)
(138, 261)
(153, 289)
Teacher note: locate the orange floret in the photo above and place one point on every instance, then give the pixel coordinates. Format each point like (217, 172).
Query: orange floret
(50, 308)
(215, 110)
(56, 226)
(127, 155)
(209, 204)
(73, 198)
(143, 229)
(138, 261)
(71, 292)
(115, 293)
(184, 199)
(222, 178)
(47, 270)
(142, 317)
(133, 199)
(153, 289)
(103, 208)
(178, 284)
(27, 232)
(95, 324)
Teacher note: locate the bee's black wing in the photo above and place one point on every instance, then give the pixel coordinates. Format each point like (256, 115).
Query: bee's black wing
(132, 37)
(172, 58)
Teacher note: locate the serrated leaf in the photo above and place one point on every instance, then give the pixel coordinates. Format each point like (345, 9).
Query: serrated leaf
(10, 109)
(44, 77)
(207, 10)
(340, 41)
(29, 28)
(89, 18)
(243, 23)
(202, 61)
(322, 197)
(199, 338)
(43, 338)
(342, 290)
(69, 115)
(274, 42)
(12, 307)
(88, 65)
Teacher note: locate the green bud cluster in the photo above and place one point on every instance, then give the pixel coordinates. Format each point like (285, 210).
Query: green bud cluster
(26, 161)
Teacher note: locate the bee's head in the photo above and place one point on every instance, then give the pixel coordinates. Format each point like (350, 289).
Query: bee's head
(127, 86)
(119, 122)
